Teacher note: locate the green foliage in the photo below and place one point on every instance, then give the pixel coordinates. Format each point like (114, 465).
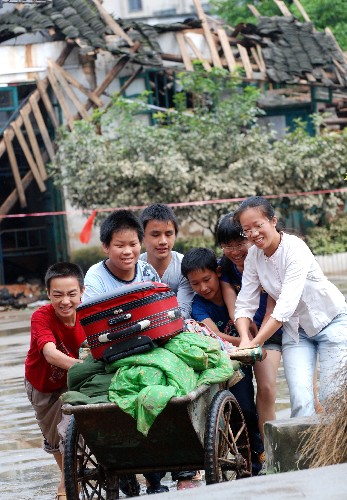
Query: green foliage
(183, 158)
(182, 245)
(330, 239)
(323, 13)
(235, 12)
(215, 151)
(86, 257)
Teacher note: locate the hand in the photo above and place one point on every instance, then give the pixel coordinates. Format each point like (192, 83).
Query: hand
(244, 344)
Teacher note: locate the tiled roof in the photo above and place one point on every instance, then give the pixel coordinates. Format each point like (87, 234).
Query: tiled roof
(292, 51)
(79, 21)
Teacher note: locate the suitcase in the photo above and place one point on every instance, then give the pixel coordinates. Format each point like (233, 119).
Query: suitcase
(128, 319)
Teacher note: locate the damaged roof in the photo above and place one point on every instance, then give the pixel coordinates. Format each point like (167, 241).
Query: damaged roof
(291, 51)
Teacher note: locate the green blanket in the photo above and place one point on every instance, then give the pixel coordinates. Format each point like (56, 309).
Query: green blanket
(145, 383)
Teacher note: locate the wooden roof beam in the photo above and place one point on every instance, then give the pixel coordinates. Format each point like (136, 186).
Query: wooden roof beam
(27, 153)
(15, 169)
(208, 35)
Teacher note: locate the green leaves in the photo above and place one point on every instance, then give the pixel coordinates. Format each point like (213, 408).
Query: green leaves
(215, 151)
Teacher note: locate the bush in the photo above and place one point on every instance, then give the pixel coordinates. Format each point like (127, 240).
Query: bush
(330, 239)
(86, 257)
(185, 244)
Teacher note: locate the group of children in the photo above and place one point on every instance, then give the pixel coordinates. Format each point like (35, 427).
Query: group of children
(267, 289)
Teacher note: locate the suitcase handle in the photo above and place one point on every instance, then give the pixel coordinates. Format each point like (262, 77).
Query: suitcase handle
(119, 319)
(141, 325)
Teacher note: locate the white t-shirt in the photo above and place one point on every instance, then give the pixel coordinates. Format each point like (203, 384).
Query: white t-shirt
(99, 279)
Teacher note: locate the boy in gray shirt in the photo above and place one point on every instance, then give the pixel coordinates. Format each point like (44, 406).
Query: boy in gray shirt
(160, 226)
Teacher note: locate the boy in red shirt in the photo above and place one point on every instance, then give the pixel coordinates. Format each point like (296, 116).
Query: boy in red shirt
(56, 336)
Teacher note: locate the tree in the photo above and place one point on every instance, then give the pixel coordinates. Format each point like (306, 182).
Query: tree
(215, 151)
(322, 13)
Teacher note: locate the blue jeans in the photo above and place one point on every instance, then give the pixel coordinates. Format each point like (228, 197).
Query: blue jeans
(299, 361)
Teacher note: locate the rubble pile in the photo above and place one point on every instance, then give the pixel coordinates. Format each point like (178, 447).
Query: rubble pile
(21, 296)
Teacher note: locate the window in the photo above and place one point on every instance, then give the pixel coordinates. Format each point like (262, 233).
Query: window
(135, 5)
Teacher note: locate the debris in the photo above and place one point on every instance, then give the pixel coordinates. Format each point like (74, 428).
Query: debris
(21, 296)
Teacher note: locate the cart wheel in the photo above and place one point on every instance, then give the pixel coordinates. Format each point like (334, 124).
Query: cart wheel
(227, 450)
(84, 477)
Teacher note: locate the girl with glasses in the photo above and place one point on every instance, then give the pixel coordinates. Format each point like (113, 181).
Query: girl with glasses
(311, 309)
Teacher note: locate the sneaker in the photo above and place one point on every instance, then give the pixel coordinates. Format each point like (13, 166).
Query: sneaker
(129, 485)
(158, 488)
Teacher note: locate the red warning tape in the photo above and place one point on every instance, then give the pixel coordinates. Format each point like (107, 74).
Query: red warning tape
(180, 204)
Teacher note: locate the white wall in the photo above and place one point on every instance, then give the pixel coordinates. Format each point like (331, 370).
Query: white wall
(149, 7)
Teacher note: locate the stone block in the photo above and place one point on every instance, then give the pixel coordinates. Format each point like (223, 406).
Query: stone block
(283, 442)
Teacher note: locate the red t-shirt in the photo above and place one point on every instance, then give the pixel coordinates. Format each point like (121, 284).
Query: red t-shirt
(46, 327)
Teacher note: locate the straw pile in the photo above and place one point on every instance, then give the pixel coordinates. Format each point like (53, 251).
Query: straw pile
(326, 443)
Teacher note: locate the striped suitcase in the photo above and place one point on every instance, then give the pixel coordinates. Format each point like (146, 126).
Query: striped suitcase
(128, 319)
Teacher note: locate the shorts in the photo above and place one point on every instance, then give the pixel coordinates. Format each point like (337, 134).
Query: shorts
(52, 422)
(274, 343)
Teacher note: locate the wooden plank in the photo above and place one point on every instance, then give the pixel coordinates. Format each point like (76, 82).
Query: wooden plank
(257, 60)
(12, 199)
(245, 61)
(302, 11)
(229, 56)
(42, 127)
(184, 52)
(15, 170)
(29, 157)
(283, 8)
(310, 78)
(254, 10)
(109, 78)
(261, 59)
(33, 141)
(130, 80)
(117, 30)
(47, 102)
(68, 90)
(339, 67)
(198, 54)
(90, 94)
(208, 34)
(60, 97)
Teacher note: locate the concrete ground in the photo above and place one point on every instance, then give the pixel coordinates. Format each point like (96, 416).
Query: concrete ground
(324, 483)
(327, 482)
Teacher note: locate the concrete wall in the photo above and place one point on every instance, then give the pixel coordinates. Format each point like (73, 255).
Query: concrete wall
(333, 264)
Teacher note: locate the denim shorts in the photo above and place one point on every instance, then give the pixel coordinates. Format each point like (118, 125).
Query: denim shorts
(274, 343)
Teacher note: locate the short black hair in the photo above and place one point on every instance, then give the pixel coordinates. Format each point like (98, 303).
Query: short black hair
(159, 211)
(64, 270)
(228, 230)
(198, 259)
(120, 220)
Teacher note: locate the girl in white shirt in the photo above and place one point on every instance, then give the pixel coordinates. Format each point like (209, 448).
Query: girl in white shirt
(311, 309)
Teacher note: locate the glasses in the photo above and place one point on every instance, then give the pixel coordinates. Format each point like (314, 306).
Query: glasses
(231, 248)
(248, 232)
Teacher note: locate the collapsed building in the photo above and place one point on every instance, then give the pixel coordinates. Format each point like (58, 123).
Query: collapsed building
(61, 59)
